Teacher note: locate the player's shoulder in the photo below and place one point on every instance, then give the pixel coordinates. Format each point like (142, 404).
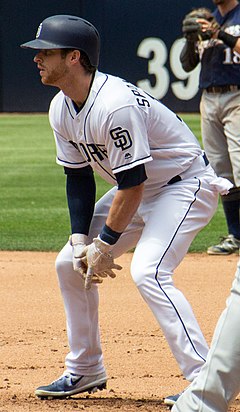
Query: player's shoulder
(56, 101)
(113, 92)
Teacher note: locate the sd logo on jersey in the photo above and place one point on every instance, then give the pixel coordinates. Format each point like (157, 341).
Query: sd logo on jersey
(121, 137)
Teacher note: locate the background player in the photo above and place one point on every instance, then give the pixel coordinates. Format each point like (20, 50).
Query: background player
(220, 107)
(164, 193)
(218, 382)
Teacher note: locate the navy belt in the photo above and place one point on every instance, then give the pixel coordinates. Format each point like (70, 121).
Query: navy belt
(174, 179)
(178, 178)
(206, 161)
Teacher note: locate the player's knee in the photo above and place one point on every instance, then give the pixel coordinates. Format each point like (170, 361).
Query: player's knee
(139, 274)
(68, 278)
(148, 277)
(63, 268)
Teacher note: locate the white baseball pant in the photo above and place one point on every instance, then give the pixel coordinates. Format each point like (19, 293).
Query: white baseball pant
(161, 231)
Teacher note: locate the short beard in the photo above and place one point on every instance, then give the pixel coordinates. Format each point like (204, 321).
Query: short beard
(53, 78)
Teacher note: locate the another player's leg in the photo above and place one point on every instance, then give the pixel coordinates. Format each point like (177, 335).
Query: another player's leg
(218, 381)
(220, 131)
(230, 243)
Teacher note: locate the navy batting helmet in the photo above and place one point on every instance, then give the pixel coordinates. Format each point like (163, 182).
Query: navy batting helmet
(67, 32)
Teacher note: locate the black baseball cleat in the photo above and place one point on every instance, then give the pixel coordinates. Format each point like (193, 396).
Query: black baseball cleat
(70, 384)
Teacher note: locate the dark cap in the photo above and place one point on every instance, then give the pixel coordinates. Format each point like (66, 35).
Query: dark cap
(67, 32)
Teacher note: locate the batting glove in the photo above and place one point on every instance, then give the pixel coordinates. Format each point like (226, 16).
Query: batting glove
(99, 261)
(78, 243)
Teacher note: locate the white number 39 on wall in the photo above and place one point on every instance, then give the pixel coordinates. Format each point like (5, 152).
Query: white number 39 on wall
(155, 50)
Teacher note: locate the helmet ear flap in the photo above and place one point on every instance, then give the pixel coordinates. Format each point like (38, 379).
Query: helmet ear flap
(67, 32)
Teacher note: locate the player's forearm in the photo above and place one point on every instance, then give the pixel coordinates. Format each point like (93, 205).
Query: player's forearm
(81, 190)
(124, 206)
(189, 58)
(228, 39)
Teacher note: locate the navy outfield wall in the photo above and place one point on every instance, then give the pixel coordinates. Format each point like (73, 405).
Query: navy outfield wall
(141, 42)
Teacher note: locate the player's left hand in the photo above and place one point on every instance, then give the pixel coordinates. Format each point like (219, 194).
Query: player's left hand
(199, 25)
(78, 242)
(98, 259)
(210, 27)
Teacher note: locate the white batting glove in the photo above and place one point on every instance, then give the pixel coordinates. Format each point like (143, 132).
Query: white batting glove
(99, 261)
(78, 243)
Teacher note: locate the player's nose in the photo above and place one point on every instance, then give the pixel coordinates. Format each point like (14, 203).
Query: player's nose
(37, 58)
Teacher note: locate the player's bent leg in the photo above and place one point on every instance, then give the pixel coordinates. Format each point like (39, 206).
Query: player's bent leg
(84, 363)
(173, 222)
(172, 311)
(81, 309)
(81, 305)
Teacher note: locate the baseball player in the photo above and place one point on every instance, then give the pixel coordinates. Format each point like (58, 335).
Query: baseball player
(218, 382)
(220, 104)
(164, 191)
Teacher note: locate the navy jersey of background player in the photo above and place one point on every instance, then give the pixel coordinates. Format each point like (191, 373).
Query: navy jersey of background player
(222, 65)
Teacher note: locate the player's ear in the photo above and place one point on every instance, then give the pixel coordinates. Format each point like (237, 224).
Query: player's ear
(75, 56)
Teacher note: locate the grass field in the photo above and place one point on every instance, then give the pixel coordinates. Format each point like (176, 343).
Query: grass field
(34, 213)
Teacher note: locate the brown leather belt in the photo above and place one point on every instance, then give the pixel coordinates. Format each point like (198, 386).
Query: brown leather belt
(223, 89)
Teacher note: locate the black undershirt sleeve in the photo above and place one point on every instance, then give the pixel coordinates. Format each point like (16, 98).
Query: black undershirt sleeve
(131, 177)
(227, 38)
(81, 195)
(189, 58)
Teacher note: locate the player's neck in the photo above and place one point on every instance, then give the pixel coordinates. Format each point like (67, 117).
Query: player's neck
(78, 89)
(226, 7)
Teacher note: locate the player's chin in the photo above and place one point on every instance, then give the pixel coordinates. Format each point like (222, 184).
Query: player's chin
(45, 80)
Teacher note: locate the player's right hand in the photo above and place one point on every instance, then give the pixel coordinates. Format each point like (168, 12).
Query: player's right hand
(98, 259)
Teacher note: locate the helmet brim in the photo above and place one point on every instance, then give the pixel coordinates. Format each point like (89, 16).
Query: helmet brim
(39, 44)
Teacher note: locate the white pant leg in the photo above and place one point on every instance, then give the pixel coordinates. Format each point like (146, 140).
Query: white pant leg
(81, 309)
(81, 306)
(220, 118)
(171, 222)
(218, 382)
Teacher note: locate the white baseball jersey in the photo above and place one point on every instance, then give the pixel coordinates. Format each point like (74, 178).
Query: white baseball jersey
(118, 131)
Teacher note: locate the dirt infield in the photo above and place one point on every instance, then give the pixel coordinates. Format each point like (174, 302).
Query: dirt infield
(139, 364)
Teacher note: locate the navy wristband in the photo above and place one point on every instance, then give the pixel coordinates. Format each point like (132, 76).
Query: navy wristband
(109, 236)
(227, 38)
